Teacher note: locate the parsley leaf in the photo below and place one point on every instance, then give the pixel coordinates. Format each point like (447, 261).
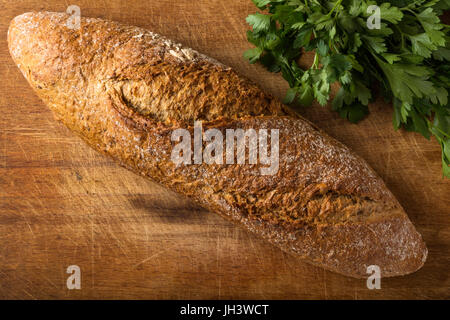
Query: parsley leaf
(407, 58)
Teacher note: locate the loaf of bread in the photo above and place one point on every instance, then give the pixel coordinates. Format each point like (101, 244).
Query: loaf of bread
(125, 91)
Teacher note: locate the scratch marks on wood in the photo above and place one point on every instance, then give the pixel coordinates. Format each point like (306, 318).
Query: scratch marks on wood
(150, 257)
(25, 219)
(92, 255)
(62, 219)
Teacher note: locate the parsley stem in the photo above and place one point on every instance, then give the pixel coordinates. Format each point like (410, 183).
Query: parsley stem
(432, 126)
(402, 35)
(316, 61)
(334, 8)
(306, 4)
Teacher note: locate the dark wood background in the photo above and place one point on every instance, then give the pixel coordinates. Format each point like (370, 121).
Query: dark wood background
(61, 203)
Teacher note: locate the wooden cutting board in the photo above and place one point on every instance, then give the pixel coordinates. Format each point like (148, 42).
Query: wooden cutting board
(63, 204)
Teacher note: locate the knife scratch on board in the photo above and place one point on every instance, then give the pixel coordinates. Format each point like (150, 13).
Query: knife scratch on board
(150, 257)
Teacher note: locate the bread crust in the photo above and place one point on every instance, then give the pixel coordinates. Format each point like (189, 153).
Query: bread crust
(124, 90)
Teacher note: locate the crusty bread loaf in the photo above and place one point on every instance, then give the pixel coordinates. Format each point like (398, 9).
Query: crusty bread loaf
(124, 90)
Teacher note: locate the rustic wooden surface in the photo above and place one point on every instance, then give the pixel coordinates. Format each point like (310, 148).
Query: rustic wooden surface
(61, 203)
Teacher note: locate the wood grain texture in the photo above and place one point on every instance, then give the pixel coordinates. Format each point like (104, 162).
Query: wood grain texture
(61, 203)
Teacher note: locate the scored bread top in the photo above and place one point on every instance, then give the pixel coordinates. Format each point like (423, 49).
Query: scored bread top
(157, 76)
(124, 89)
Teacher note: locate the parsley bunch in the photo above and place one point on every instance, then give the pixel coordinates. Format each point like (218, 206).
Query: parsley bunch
(406, 59)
